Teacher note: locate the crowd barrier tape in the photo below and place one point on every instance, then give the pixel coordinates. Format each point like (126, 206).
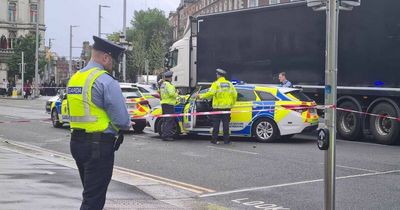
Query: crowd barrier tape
(320, 107)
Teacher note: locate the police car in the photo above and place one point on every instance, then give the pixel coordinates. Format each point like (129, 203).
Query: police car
(136, 104)
(266, 113)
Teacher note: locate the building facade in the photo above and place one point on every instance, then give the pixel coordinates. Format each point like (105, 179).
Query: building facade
(18, 18)
(179, 19)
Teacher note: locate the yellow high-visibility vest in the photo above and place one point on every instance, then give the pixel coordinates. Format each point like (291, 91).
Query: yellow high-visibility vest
(168, 93)
(223, 94)
(84, 114)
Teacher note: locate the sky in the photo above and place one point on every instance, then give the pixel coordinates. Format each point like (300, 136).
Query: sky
(60, 14)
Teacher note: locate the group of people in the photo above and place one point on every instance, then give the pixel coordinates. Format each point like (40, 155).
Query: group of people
(223, 95)
(98, 117)
(6, 87)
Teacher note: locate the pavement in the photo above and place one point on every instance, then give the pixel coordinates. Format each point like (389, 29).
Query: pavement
(32, 183)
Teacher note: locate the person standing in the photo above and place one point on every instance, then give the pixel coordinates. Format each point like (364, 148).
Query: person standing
(283, 81)
(224, 96)
(5, 86)
(27, 89)
(98, 114)
(168, 100)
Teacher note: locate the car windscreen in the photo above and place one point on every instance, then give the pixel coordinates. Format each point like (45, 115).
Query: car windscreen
(131, 93)
(297, 95)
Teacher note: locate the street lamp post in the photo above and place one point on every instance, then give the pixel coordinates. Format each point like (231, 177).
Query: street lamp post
(100, 6)
(70, 49)
(36, 89)
(124, 55)
(332, 8)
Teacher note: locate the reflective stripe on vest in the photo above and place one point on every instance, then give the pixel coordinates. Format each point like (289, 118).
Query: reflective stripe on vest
(84, 114)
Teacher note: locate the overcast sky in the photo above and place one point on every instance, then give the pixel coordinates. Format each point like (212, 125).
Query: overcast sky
(60, 14)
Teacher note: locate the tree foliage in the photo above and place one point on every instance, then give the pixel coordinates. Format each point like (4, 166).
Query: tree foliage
(27, 45)
(149, 36)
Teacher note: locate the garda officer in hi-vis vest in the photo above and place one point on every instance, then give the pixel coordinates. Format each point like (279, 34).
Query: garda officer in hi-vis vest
(224, 96)
(97, 115)
(168, 100)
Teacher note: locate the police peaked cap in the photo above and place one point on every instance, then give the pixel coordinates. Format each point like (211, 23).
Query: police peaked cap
(108, 47)
(168, 74)
(221, 72)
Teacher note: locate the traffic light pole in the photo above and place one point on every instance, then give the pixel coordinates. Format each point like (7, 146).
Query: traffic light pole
(332, 22)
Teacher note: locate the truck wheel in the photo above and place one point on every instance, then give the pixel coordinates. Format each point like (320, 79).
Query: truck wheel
(139, 127)
(349, 124)
(384, 130)
(55, 120)
(265, 130)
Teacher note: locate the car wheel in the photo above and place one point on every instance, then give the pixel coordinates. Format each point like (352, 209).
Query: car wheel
(383, 129)
(55, 120)
(265, 130)
(139, 127)
(175, 128)
(349, 124)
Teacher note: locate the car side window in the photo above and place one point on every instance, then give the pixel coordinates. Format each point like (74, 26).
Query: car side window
(246, 95)
(265, 96)
(143, 90)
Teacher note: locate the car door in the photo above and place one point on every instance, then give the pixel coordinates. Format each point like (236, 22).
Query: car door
(189, 121)
(64, 108)
(242, 114)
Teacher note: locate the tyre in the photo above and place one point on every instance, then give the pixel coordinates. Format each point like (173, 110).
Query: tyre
(384, 130)
(349, 124)
(55, 120)
(287, 137)
(175, 127)
(265, 130)
(139, 126)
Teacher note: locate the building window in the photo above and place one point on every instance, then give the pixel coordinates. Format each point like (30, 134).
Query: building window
(252, 3)
(3, 42)
(12, 11)
(12, 36)
(34, 13)
(274, 1)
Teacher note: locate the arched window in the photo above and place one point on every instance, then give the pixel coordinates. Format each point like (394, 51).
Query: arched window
(3, 42)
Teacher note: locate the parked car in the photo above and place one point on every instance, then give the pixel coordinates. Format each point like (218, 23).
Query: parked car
(136, 104)
(266, 113)
(150, 92)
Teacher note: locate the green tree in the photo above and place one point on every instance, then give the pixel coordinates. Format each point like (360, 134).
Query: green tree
(114, 36)
(27, 45)
(149, 22)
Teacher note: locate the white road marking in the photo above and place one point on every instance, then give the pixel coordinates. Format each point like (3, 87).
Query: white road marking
(294, 183)
(355, 168)
(234, 150)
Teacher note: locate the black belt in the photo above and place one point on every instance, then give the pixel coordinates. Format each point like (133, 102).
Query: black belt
(81, 135)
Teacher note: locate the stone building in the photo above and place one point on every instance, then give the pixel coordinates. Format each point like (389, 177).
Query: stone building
(18, 18)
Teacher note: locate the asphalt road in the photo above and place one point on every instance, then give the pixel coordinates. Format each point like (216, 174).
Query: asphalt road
(245, 175)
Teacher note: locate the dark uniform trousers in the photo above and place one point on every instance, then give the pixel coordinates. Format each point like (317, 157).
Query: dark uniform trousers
(94, 156)
(217, 119)
(167, 125)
